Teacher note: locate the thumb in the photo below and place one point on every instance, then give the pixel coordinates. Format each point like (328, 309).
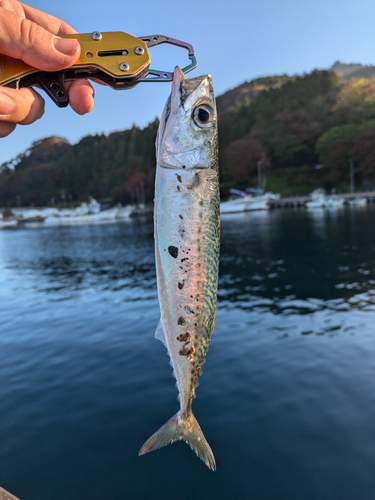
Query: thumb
(24, 39)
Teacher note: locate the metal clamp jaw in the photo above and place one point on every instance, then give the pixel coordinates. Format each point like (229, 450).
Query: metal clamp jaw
(116, 59)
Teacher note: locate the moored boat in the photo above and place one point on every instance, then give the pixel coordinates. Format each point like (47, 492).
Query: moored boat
(85, 213)
(125, 212)
(334, 202)
(246, 201)
(358, 202)
(8, 223)
(7, 220)
(30, 215)
(318, 199)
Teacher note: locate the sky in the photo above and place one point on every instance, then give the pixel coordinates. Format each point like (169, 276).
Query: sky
(234, 40)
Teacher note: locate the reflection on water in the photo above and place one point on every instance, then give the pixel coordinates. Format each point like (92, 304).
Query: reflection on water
(301, 259)
(68, 260)
(287, 396)
(305, 259)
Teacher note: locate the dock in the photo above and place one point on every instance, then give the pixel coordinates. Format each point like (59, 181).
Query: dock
(4, 495)
(300, 200)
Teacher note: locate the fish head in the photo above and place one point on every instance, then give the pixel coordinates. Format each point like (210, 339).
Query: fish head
(187, 134)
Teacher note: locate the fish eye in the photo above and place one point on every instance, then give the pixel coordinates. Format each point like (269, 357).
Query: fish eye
(203, 116)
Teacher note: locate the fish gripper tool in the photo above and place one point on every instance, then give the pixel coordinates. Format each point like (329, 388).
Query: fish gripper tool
(116, 59)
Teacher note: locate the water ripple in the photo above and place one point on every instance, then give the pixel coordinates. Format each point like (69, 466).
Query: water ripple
(287, 390)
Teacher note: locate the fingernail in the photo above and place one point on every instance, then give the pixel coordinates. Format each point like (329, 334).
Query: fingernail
(66, 46)
(7, 105)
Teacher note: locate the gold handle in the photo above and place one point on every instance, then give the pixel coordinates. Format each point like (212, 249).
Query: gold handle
(120, 55)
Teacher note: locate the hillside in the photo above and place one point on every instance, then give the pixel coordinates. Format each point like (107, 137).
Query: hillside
(290, 124)
(247, 92)
(119, 166)
(347, 71)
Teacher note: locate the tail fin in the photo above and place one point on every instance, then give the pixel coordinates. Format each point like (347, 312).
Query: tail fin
(185, 428)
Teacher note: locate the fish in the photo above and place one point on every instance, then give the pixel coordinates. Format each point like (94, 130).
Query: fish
(187, 244)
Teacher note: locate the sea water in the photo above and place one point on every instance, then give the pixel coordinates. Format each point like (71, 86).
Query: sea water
(287, 395)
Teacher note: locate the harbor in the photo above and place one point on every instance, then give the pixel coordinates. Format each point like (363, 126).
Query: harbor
(301, 200)
(88, 213)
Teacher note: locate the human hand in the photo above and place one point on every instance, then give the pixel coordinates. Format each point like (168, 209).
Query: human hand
(29, 34)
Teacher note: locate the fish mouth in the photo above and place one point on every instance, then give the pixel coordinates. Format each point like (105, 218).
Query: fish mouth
(171, 106)
(182, 88)
(176, 93)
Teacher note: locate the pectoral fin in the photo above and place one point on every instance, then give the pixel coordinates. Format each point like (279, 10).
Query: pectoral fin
(159, 333)
(205, 183)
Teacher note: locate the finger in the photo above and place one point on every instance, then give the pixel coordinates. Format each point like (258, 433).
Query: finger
(25, 39)
(6, 129)
(81, 96)
(28, 106)
(13, 6)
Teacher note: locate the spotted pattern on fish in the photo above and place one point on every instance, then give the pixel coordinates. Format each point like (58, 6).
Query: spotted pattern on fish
(173, 251)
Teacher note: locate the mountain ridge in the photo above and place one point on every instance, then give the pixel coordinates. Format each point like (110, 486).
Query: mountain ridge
(346, 71)
(248, 90)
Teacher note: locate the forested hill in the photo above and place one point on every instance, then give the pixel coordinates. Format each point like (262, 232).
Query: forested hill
(248, 91)
(347, 71)
(120, 166)
(292, 124)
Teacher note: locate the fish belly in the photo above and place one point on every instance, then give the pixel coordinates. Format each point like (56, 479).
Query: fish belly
(187, 251)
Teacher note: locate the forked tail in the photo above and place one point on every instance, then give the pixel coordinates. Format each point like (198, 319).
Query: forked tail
(185, 428)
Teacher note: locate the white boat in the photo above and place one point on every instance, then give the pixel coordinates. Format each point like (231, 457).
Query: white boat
(318, 199)
(334, 202)
(84, 213)
(358, 202)
(103, 216)
(48, 212)
(30, 215)
(8, 223)
(317, 203)
(125, 212)
(65, 212)
(244, 202)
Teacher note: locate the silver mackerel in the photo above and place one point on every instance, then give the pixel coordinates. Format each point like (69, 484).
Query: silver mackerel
(187, 240)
